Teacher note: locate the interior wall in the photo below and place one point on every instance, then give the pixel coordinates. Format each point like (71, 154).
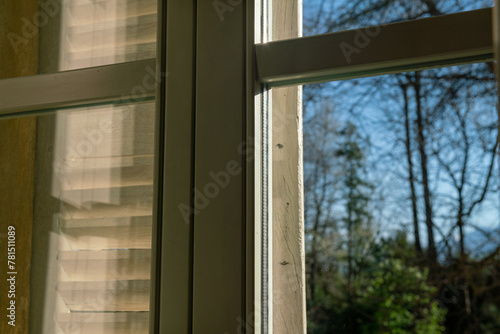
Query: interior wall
(18, 57)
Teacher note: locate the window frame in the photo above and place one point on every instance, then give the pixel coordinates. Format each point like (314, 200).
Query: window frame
(446, 40)
(93, 85)
(185, 296)
(179, 24)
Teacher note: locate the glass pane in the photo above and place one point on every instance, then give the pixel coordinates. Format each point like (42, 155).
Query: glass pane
(105, 32)
(330, 16)
(47, 36)
(91, 219)
(321, 17)
(402, 204)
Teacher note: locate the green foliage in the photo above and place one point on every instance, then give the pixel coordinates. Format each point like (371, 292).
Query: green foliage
(490, 323)
(400, 301)
(391, 297)
(370, 288)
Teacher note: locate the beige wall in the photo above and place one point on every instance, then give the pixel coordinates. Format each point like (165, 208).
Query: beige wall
(17, 157)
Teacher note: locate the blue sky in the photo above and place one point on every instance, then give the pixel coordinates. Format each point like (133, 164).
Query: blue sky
(368, 115)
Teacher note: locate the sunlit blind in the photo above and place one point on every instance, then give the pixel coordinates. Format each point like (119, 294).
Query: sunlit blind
(102, 32)
(103, 177)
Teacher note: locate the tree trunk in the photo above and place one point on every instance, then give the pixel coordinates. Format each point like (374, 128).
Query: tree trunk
(411, 177)
(314, 256)
(460, 224)
(350, 269)
(431, 250)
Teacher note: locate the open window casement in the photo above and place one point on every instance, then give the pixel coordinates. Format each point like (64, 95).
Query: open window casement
(414, 45)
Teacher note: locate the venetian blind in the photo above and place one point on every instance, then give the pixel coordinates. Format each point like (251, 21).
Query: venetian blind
(103, 177)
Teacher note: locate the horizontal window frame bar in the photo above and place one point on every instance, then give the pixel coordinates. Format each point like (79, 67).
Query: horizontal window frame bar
(447, 40)
(38, 94)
